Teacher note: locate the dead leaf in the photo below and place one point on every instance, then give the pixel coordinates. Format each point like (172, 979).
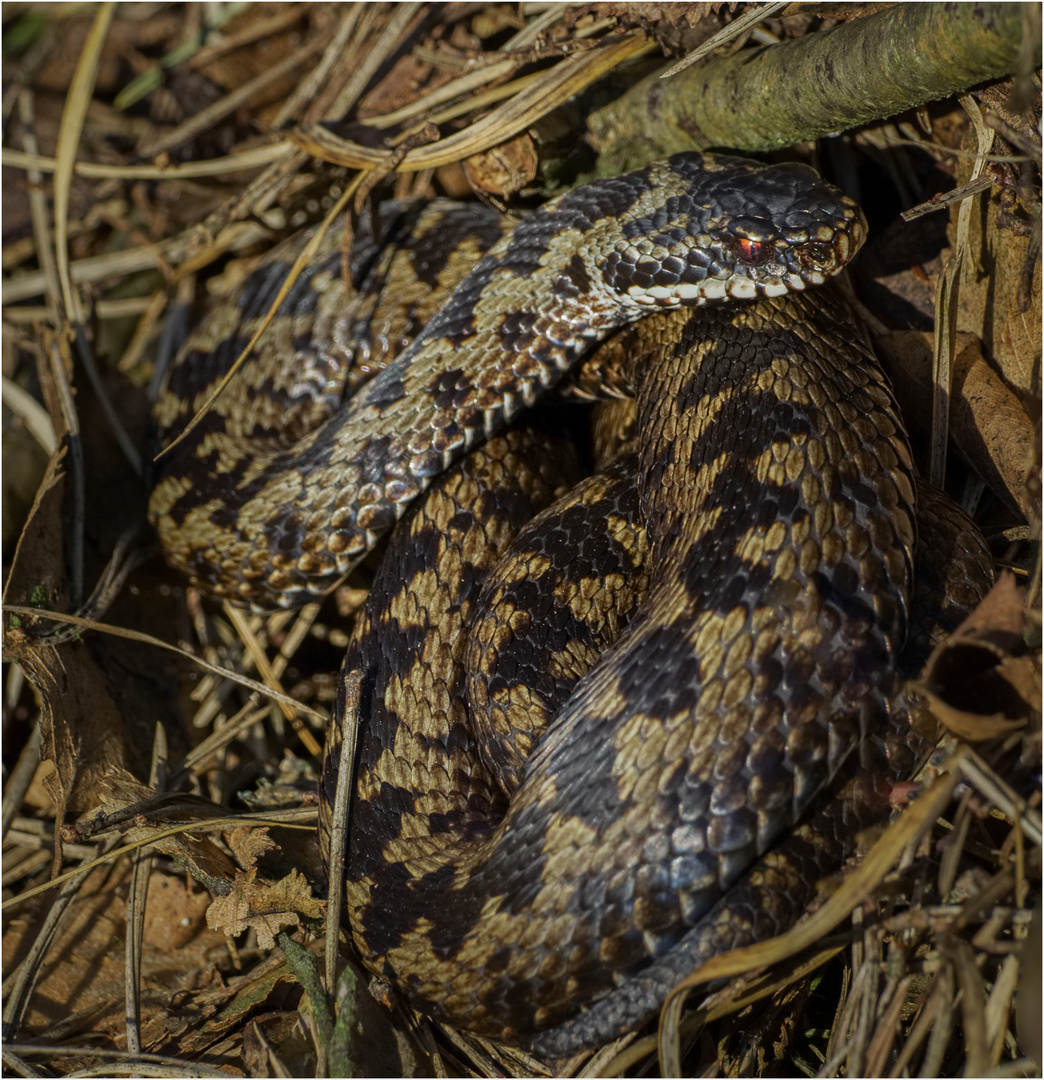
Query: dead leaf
(978, 681)
(267, 908)
(82, 725)
(83, 977)
(207, 1015)
(988, 423)
(95, 693)
(990, 303)
(141, 814)
(249, 844)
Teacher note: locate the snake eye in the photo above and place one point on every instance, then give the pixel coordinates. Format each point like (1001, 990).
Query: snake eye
(752, 251)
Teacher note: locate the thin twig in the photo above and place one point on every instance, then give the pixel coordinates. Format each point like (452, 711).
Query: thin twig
(726, 34)
(136, 899)
(131, 260)
(385, 45)
(271, 679)
(21, 777)
(241, 161)
(946, 305)
(307, 88)
(44, 244)
(302, 260)
(348, 736)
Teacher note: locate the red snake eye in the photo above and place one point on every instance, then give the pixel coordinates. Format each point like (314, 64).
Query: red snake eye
(752, 251)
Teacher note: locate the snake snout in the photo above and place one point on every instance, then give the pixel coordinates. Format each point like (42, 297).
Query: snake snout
(829, 248)
(783, 225)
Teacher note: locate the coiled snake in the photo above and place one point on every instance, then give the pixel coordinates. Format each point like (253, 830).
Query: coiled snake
(719, 623)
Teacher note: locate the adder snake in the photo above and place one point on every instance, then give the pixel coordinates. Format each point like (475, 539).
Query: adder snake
(749, 583)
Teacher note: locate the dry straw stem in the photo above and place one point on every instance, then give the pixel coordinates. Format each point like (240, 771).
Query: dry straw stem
(178, 249)
(53, 370)
(241, 161)
(208, 117)
(348, 736)
(461, 91)
(119, 1062)
(136, 900)
(310, 85)
(39, 211)
(554, 88)
(73, 115)
(728, 33)
(300, 263)
(372, 58)
(864, 1031)
(946, 299)
(525, 107)
(863, 70)
(19, 780)
(31, 413)
(266, 670)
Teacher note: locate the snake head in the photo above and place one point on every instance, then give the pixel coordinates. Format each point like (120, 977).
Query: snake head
(722, 227)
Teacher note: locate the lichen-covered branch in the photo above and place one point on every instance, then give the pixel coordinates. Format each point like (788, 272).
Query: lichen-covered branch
(862, 70)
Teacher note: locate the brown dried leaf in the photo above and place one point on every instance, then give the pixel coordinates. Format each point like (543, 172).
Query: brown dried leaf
(988, 423)
(990, 305)
(265, 907)
(120, 795)
(37, 572)
(82, 722)
(83, 977)
(204, 1017)
(973, 682)
(248, 845)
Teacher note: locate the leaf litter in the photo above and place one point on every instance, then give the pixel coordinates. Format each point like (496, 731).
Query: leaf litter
(158, 145)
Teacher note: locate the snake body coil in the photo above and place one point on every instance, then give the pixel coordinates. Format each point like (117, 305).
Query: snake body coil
(755, 575)
(275, 528)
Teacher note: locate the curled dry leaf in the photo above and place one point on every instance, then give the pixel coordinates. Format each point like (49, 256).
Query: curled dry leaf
(256, 902)
(84, 733)
(144, 815)
(248, 845)
(265, 906)
(979, 682)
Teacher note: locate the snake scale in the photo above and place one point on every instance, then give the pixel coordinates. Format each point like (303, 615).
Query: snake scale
(590, 716)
